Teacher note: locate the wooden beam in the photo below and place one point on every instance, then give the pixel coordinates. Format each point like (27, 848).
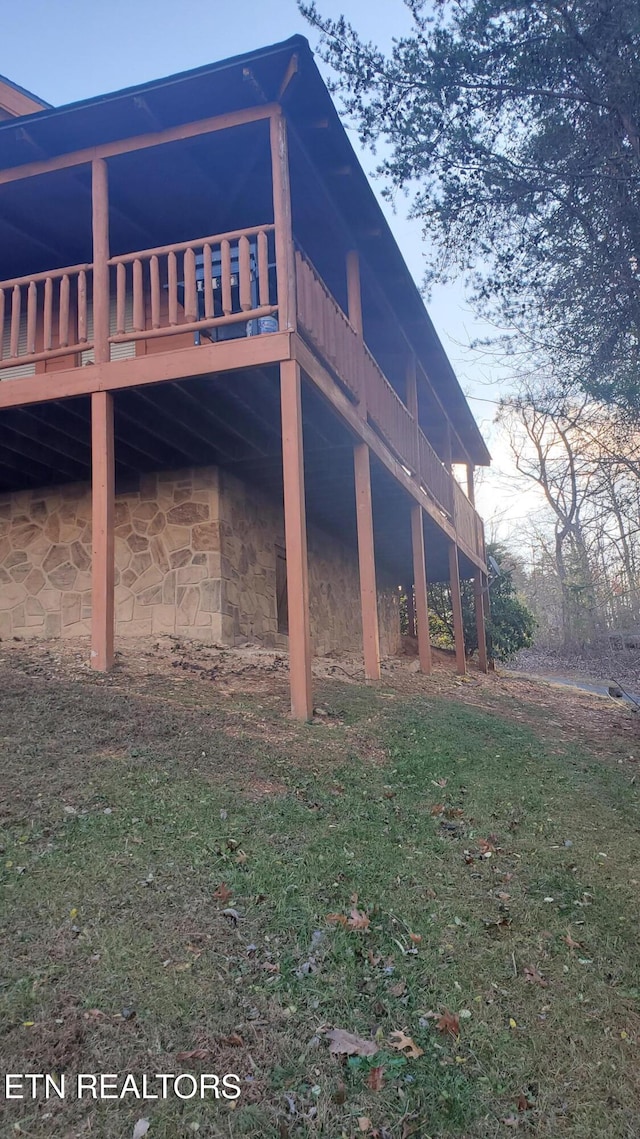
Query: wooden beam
(292, 69)
(285, 261)
(100, 222)
(456, 605)
(156, 368)
(17, 103)
(478, 598)
(420, 585)
(367, 562)
(138, 142)
(295, 527)
(102, 518)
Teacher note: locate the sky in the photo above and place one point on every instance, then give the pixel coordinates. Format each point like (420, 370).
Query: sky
(75, 49)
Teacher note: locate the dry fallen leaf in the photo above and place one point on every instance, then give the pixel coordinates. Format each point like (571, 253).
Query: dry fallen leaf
(486, 847)
(195, 1054)
(416, 938)
(449, 1023)
(398, 989)
(571, 943)
(364, 1123)
(336, 919)
(358, 920)
(375, 1079)
(511, 1121)
(233, 1039)
(374, 958)
(437, 809)
(403, 1043)
(523, 1103)
(223, 893)
(534, 977)
(439, 782)
(343, 1043)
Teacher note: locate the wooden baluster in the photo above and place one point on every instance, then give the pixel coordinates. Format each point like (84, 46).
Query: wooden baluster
(172, 280)
(101, 283)
(263, 268)
(190, 293)
(154, 270)
(208, 282)
(138, 296)
(47, 321)
(82, 307)
(121, 298)
(63, 316)
(16, 301)
(244, 271)
(32, 311)
(225, 269)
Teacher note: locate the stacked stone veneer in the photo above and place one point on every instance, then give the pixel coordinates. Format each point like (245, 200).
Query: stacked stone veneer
(195, 556)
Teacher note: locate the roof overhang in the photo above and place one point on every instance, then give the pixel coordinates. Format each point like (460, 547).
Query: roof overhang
(262, 76)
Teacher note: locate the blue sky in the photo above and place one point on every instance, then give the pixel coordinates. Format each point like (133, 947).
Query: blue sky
(74, 49)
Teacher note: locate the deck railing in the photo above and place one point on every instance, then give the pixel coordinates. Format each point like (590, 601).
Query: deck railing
(329, 330)
(434, 476)
(328, 327)
(194, 286)
(202, 285)
(44, 315)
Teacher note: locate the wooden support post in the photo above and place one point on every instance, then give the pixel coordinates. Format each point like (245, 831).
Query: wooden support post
(354, 306)
(471, 490)
(456, 605)
(420, 582)
(354, 292)
(102, 520)
(295, 529)
(367, 562)
(285, 260)
(100, 221)
(478, 598)
(447, 460)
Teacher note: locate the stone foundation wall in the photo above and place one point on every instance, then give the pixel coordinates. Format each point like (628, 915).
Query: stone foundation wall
(195, 556)
(252, 528)
(167, 551)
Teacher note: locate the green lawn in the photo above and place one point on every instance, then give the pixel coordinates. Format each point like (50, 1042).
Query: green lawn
(494, 867)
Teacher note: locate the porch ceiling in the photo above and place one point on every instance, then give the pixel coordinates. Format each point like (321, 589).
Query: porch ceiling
(231, 420)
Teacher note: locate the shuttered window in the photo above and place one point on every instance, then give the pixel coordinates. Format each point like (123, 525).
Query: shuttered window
(20, 369)
(121, 351)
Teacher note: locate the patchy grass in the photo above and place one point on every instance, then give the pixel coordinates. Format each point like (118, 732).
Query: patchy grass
(493, 861)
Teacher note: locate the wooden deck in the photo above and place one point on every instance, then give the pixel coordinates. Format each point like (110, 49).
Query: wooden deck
(222, 282)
